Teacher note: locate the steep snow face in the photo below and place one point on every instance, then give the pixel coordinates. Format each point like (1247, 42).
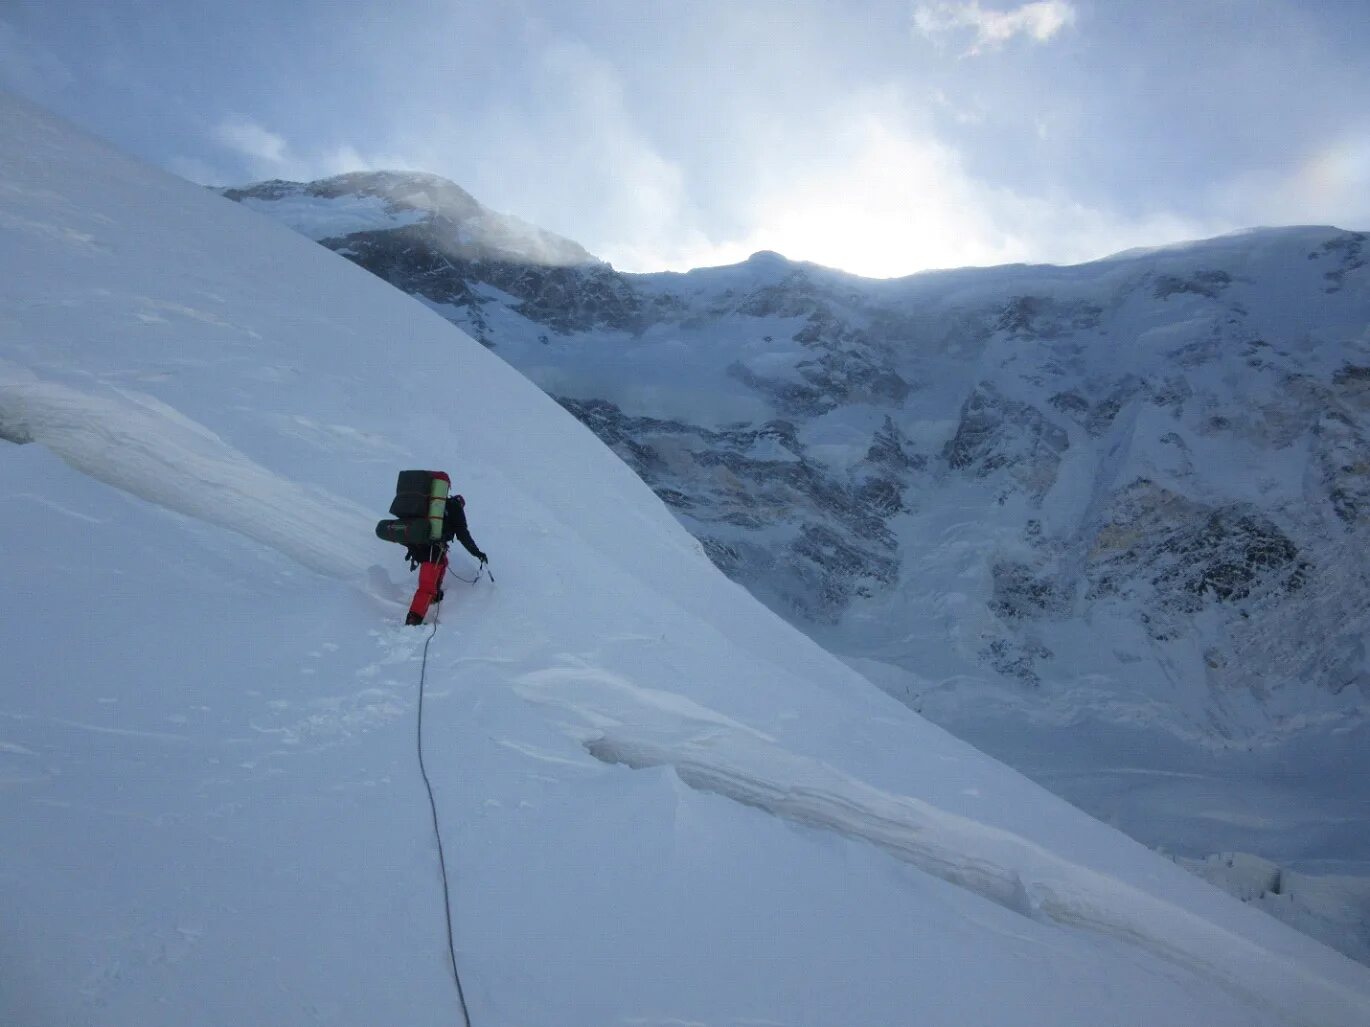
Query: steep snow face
(660, 802)
(1126, 501)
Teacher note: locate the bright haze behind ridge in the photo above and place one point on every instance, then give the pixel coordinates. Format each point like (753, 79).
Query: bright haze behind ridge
(882, 137)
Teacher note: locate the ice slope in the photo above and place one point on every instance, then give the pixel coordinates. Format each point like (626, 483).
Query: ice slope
(660, 803)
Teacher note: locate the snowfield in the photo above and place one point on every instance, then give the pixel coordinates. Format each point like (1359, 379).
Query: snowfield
(660, 803)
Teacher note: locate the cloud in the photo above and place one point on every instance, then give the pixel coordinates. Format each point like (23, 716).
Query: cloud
(28, 68)
(1337, 176)
(244, 136)
(575, 160)
(198, 171)
(1329, 184)
(1039, 21)
(262, 153)
(882, 172)
(899, 201)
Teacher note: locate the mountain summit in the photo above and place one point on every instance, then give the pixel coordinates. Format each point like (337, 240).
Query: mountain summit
(423, 210)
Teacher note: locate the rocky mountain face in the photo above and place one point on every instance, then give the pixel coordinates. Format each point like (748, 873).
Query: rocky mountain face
(1133, 494)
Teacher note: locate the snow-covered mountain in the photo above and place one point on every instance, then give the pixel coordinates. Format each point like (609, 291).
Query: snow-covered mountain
(429, 213)
(1108, 521)
(660, 803)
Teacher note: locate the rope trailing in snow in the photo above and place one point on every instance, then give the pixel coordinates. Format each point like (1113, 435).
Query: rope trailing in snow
(437, 833)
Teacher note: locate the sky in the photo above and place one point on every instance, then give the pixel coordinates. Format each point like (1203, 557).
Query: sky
(882, 137)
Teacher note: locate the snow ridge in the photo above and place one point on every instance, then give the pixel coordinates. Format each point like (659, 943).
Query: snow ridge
(645, 728)
(144, 447)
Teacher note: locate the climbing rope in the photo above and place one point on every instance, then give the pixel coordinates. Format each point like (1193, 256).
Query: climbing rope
(484, 569)
(437, 833)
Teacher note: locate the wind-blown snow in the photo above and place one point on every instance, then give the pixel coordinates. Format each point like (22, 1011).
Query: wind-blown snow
(660, 803)
(324, 217)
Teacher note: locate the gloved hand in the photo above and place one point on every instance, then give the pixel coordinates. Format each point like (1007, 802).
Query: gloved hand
(482, 558)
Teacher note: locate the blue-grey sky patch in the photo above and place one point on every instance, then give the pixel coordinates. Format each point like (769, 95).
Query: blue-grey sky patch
(881, 136)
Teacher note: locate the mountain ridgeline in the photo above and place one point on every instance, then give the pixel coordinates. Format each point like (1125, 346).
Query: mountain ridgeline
(1124, 474)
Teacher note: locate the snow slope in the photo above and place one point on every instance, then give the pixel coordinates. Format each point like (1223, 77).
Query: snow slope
(660, 803)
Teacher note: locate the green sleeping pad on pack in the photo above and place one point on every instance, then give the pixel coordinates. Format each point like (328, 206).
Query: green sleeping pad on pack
(418, 508)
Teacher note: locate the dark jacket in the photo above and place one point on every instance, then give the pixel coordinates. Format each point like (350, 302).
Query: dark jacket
(453, 527)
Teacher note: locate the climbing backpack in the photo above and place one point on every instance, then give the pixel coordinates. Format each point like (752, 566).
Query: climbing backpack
(418, 508)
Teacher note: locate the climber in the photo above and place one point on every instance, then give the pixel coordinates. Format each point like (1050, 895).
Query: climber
(431, 558)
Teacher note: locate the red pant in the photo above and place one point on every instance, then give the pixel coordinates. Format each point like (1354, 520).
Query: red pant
(430, 580)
